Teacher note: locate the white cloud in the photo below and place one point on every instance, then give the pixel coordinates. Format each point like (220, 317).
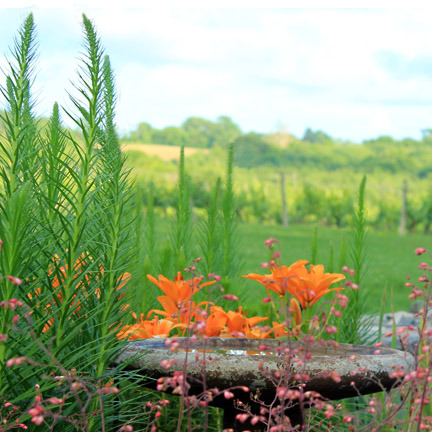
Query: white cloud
(317, 68)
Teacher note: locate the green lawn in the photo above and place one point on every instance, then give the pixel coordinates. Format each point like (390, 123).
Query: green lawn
(390, 257)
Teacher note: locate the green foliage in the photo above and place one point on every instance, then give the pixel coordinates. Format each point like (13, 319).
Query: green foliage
(66, 228)
(320, 180)
(315, 137)
(230, 251)
(210, 235)
(73, 229)
(353, 324)
(18, 208)
(314, 247)
(182, 246)
(194, 132)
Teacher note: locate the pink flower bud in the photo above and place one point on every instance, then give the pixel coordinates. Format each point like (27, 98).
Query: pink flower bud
(37, 420)
(230, 297)
(14, 280)
(228, 394)
(55, 401)
(420, 251)
(242, 417)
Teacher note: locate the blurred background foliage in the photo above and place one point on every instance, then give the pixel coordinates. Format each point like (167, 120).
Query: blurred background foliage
(320, 174)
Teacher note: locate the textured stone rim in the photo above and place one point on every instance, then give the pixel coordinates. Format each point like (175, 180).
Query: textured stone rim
(235, 362)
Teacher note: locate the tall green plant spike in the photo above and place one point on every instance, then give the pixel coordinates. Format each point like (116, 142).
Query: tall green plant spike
(183, 225)
(150, 222)
(114, 200)
(359, 234)
(354, 325)
(342, 253)
(84, 213)
(314, 246)
(210, 240)
(330, 267)
(18, 118)
(18, 229)
(230, 253)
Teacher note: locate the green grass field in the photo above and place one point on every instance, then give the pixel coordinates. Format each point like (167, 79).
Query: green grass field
(390, 258)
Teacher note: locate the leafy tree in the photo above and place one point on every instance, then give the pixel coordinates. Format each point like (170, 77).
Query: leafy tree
(144, 133)
(170, 135)
(315, 137)
(251, 149)
(199, 131)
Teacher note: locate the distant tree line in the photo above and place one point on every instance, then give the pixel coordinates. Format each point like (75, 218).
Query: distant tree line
(315, 150)
(193, 132)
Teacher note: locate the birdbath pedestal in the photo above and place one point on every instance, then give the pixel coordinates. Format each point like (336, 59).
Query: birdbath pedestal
(228, 363)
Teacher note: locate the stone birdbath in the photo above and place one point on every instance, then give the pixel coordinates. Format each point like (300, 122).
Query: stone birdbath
(231, 363)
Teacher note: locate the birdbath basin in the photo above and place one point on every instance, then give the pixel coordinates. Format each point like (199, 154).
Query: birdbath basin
(335, 371)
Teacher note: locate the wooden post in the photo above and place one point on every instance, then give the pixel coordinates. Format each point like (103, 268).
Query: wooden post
(403, 218)
(285, 218)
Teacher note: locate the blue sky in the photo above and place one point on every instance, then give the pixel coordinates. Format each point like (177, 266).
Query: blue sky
(354, 73)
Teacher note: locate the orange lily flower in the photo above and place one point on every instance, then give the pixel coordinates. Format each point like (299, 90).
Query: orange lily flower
(179, 290)
(310, 285)
(307, 286)
(215, 322)
(146, 329)
(237, 321)
(279, 330)
(280, 277)
(295, 306)
(61, 273)
(170, 312)
(257, 332)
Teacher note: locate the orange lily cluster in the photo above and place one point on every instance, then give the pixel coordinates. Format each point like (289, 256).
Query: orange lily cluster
(305, 285)
(181, 312)
(75, 304)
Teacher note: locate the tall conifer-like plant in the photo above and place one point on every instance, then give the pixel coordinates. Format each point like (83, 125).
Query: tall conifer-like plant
(79, 254)
(353, 326)
(182, 230)
(66, 226)
(115, 201)
(18, 172)
(230, 252)
(210, 234)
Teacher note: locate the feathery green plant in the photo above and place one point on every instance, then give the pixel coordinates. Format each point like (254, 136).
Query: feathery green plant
(18, 171)
(330, 267)
(231, 260)
(182, 230)
(353, 326)
(66, 226)
(210, 241)
(114, 198)
(342, 253)
(314, 246)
